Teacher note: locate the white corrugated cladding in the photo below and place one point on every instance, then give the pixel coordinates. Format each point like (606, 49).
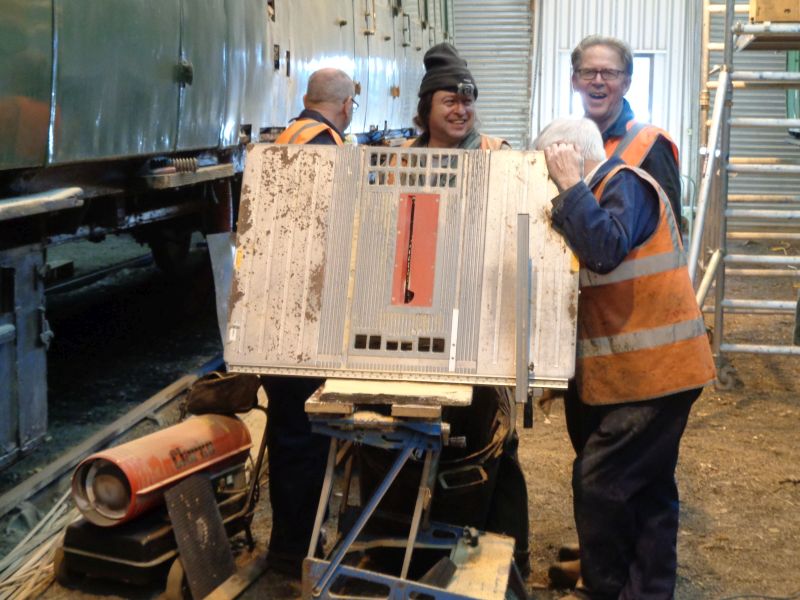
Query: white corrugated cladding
(495, 37)
(666, 29)
(767, 103)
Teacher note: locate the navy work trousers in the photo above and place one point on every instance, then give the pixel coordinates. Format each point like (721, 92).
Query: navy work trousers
(625, 496)
(297, 459)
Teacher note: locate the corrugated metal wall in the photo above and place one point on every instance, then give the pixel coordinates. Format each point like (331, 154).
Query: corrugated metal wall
(495, 37)
(667, 29)
(765, 103)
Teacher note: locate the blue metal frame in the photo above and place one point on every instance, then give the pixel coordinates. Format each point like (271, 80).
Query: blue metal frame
(427, 434)
(409, 437)
(399, 589)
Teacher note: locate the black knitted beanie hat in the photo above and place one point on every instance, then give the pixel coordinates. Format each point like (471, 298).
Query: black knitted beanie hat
(445, 70)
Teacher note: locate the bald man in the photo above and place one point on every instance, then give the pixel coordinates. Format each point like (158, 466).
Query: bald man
(296, 455)
(329, 106)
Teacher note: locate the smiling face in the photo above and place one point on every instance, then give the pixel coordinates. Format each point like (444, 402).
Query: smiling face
(602, 100)
(452, 117)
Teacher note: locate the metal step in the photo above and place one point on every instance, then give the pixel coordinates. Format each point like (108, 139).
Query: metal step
(774, 169)
(759, 259)
(767, 36)
(762, 272)
(761, 349)
(767, 77)
(759, 306)
(760, 123)
(760, 213)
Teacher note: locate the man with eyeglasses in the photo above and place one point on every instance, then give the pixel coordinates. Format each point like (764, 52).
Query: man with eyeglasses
(296, 456)
(329, 106)
(601, 73)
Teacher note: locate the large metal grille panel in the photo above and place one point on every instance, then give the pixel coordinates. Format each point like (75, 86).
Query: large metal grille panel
(331, 241)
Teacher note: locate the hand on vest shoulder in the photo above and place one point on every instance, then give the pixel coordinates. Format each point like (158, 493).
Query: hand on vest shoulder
(565, 165)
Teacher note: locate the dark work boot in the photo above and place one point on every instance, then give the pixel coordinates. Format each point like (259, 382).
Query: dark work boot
(522, 558)
(565, 574)
(570, 551)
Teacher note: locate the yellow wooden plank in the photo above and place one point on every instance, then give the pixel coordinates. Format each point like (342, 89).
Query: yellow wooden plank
(396, 392)
(482, 570)
(234, 585)
(416, 411)
(328, 408)
(775, 10)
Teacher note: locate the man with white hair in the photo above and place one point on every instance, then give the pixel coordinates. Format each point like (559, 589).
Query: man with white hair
(643, 359)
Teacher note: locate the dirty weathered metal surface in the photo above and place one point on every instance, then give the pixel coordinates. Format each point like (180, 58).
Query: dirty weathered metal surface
(482, 570)
(24, 337)
(378, 263)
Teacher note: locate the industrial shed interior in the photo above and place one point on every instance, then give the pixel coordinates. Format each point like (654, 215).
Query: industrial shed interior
(165, 260)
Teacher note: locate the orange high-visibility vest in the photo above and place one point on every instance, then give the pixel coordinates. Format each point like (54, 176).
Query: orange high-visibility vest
(487, 142)
(641, 334)
(634, 146)
(491, 143)
(303, 131)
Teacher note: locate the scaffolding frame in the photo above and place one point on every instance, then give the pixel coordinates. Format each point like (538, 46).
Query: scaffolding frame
(721, 217)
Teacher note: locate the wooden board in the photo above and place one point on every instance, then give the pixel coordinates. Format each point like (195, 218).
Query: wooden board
(775, 11)
(416, 411)
(482, 570)
(317, 407)
(241, 580)
(396, 393)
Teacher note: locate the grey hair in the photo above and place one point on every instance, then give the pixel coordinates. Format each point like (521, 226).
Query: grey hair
(616, 44)
(582, 133)
(329, 85)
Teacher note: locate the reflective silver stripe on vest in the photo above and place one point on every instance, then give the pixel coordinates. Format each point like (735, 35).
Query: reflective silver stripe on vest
(302, 129)
(641, 340)
(628, 140)
(630, 269)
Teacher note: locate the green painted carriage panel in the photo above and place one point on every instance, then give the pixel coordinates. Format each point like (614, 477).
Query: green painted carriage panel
(26, 59)
(115, 83)
(249, 70)
(202, 103)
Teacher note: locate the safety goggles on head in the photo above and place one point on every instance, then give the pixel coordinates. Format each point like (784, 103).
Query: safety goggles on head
(605, 74)
(466, 89)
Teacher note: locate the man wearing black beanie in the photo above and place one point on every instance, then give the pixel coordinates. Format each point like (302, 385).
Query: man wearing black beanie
(446, 118)
(446, 109)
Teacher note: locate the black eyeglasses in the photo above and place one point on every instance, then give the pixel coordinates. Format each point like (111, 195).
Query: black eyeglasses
(355, 104)
(605, 74)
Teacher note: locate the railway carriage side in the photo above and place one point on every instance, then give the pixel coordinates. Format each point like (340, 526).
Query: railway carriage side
(132, 116)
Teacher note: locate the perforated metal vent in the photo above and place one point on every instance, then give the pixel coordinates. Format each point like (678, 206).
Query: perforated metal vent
(407, 168)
